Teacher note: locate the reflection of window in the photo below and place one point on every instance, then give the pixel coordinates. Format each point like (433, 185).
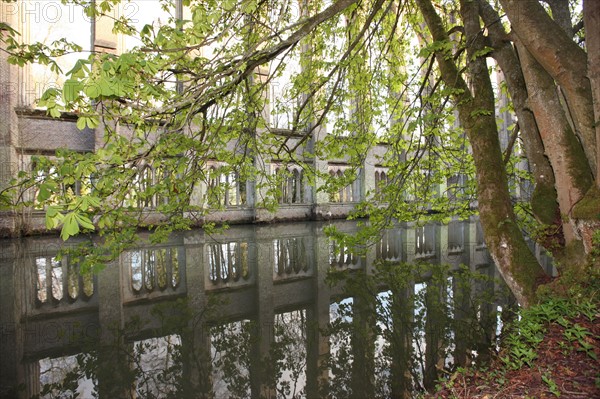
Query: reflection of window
(290, 256)
(158, 366)
(226, 188)
(49, 279)
(349, 193)
(341, 255)
(425, 240)
(455, 236)
(228, 261)
(291, 185)
(388, 247)
(55, 371)
(77, 283)
(57, 280)
(290, 331)
(231, 350)
(154, 269)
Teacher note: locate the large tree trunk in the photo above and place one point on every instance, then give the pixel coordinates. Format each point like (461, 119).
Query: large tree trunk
(507, 246)
(544, 201)
(564, 60)
(573, 175)
(591, 19)
(562, 15)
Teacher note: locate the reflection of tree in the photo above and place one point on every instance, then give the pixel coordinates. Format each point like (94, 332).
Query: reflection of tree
(288, 354)
(418, 329)
(145, 368)
(340, 359)
(230, 348)
(157, 364)
(63, 377)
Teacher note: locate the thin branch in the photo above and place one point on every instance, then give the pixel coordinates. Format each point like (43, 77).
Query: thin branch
(511, 143)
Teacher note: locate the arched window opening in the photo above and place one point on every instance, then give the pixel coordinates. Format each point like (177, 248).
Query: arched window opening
(290, 185)
(225, 188)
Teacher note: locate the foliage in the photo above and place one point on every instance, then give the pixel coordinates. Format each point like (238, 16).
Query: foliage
(160, 141)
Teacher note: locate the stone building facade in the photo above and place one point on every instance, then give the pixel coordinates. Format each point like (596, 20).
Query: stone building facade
(26, 131)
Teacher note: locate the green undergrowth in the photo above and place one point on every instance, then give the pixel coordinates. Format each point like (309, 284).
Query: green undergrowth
(527, 331)
(521, 339)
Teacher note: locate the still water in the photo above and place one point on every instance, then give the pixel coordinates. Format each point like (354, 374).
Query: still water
(258, 311)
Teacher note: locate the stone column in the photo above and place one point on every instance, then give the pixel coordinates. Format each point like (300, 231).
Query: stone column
(320, 198)
(363, 347)
(318, 318)
(196, 339)
(9, 132)
(401, 343)
(12, 332)
(114, 375)
(434, 324)
(261, 372)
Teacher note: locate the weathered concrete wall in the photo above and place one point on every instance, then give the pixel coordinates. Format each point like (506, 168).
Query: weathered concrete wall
(40, 133)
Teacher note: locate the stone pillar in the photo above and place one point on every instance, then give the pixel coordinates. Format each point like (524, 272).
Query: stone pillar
(408, 244)
(320, 198)
(434, 326)
(461, 292)
(114, 376)
(442, 243)
(196, 339)
(363, 347)
(401, 343)
(103, 38)
(12, 332)
(471, 245)
(318, 318)
(260, 188)
(9, 132)
(368, 174)
(261, 372)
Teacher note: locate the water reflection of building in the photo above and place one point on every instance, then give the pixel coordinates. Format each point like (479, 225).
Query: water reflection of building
(270, 284)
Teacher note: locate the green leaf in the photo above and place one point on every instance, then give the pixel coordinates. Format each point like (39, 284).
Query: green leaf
(70, 226)
(44, 192)
(52, 211)
(71, 90)
(84, 221)
(81, 122)
(53, 217)
(92, 122)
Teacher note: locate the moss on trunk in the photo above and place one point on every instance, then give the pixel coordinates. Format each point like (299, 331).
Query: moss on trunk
(544, 204)
(589, 206)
